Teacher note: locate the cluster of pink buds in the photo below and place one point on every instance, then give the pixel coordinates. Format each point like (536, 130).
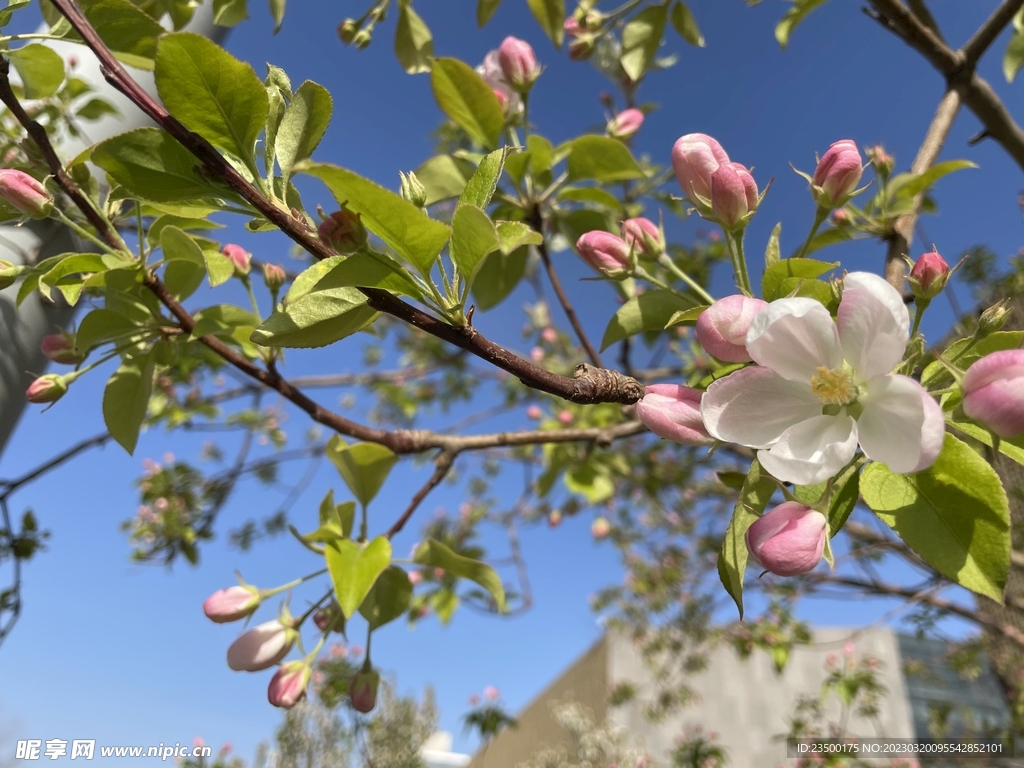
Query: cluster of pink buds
(718, 188)
(581, 29)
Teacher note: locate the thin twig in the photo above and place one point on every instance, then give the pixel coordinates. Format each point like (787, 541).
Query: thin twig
(442, 464)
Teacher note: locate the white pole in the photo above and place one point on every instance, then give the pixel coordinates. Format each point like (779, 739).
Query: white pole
(21, 332)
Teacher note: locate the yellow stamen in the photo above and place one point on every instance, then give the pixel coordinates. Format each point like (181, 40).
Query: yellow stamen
(833, 386)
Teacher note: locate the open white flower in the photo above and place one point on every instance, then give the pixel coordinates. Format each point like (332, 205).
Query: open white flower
(821, 387)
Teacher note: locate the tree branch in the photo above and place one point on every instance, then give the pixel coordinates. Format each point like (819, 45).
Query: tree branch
(442, 465)
(987, 33)
(585, 387)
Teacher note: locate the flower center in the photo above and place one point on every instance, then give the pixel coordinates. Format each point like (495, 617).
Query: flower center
(833, 386)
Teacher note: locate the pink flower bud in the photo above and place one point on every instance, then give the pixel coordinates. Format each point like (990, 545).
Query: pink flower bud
(549, 334)
(239, 257)
(518, 63)
(637, 232)
(362, 690)
(929, 276)
(533, 412)
(565, 417)
(343, 231)
(60, 347)
(232, 604)
(625, 124)
(47, 389)
(733, 195)
(672, 411)
(837, 174)
(288, 685)
(572, 27)
(273, 276)
(502, 99)
(415, 577)
(994, 392)
(554, 518)
(25, 194)
(491, 693)
(261, 647)
(490, 70)
(722, 327)
(474, 699)
(881, 159)
(600, 528)
(605, 252)
(695, 157)
(788, 540)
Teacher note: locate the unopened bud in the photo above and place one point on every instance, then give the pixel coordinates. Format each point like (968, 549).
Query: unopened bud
(362, 39)
(8, 274)
(239, 257)
(582, 48)
(47, 389)
(929, 276)
(881, 160)
(413, 189)
(61, 348)
(273, 276)
(25, 193)
(992, 319)
(362, 690)
(347, 31)
(343, 231)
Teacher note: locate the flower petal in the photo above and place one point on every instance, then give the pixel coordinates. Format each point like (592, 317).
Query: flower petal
(754, 407)
(898, 427)
(794, 337)
(812, 451)
(874, 324)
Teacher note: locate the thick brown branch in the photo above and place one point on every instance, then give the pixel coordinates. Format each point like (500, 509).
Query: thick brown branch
(622, 390)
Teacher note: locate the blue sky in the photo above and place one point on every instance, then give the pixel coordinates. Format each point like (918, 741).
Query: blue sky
(122, 653)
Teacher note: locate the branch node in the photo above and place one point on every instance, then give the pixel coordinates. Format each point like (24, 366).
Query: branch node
(601, 385)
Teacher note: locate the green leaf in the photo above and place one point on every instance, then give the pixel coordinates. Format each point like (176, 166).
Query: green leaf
(590, 195)
(417, 238)
(319, 318)
(186, 266)
(414, 45)
(468, 100)
(601, 158)
(127, 30)
(908, 185)
(498, 276)
(771, 252)
(151, 164)
(591, 482)
(515, 234)
(219, 266)
(388, 599)
(829, 236)
(221, 320)
(473, 237)
(686, 316)
(686, 25)
(732, 560)
(954, 515)
(355, 569)
(641, 38)
(211, 92)
(846, 493)
(1013, 59)
(936, 374)
(126, 399)
(481, 185)
(41, 69)
(277, 8)
(230, 13)
(103, 325)
(371, 270)
(794, 16)
(442, 178)
(302, 126)
(364, 466)
(1011, 447)
(550, 14)
(435, 554)
(75, 264)
(485, 10)
(650, 311)
(780, 278)
(7, 13)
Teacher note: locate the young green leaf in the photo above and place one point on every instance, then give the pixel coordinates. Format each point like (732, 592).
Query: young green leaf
(641, 38)
(355, 569)
(41, 69)
(686, 25)
(186, 266)
(442, 177)
(783, 276)
(481, 185)
(550, 14)
(797, 12)
(302, 126)
(388, 599)
(230, 13)
(417, 238)
(364, 466)
(277, 8)
(468, 100)
(484, 10)
(414, 45)
(732, 560)
(601, 158)
(126, 399)
(650, 311)
(498, 276)
(211, 92)
(435, 554)
(319, 318)
(129, 32)
(954, 514)
(473, 237)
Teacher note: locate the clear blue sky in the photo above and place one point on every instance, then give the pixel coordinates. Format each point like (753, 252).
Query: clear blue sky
(122, 653)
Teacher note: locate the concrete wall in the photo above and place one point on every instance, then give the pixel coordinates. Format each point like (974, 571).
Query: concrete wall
(745, 702)
(585, 681)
